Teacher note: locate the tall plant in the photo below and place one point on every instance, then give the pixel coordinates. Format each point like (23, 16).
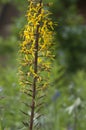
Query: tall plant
(35, 59)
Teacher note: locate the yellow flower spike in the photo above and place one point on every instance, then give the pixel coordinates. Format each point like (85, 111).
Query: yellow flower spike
(36, 55)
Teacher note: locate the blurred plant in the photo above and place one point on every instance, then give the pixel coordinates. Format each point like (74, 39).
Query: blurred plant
(35, 60)
(76, 98)
(56, 99)
(8, 51)
(73, 109)
(72, 34)
(10, 116)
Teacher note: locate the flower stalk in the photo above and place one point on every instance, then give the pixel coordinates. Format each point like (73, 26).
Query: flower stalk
(35, 70)
(36, 56)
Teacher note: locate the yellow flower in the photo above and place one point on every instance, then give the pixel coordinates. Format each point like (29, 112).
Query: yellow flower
(36, 56)
(37, 17)
(39, 60)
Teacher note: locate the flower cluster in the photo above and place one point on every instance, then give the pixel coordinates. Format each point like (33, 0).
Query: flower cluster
(36, 56)
(36, 17)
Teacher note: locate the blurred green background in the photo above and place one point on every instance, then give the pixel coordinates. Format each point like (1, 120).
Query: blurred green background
(66, 97)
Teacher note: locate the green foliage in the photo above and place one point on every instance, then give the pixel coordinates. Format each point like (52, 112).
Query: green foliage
(65, 88)
(9, 90)
(75, 50)
(71, 34)
(7, 47)
(77, 92)
(8, 51)
(63, 101)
